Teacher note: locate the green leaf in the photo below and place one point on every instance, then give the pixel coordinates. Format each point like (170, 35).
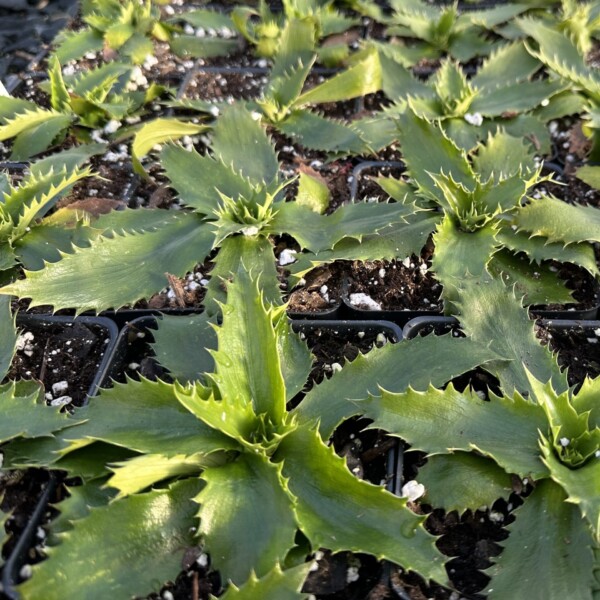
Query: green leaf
(548, 553)
(66, 160)
(275, 585)
(74, 44)
(317, 232)
(159, 131)
(537, 284)
(331, 401)
(312, 192)
(248, 366)
(59, 94)
(237, 254)
(197, 178)
(8, 335)
(35, 139)
(489, 311)
(143, 541)
(235, 129)
(151, 420)
(4, 536)
(365, 518)
(140, 472)
(425, 148)
(318, 133)
(590, 175)
(582, 485)
(206, 18)
(244, 507)
(459, 481)
(133, 266)
(193, 47)
(442, 421)
(360, 79)
(182, 344)
(558, 221)
(507, 64)
(138, 47)
(502, 156)
(296, 359)
(24, 413)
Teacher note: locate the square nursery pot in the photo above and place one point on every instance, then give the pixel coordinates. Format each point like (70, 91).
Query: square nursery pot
(97, 339)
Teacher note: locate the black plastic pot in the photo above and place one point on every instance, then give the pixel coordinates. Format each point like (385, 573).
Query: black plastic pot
(15, 560)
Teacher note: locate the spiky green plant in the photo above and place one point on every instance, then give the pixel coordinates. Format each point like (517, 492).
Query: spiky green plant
(502, 93)
(264, 29)
(236, 204)
(125, 27)
(426, 31)
(78, 104)
(286, 107)
(32, 232)
(561, 55)
(548, 436)
(258, 471)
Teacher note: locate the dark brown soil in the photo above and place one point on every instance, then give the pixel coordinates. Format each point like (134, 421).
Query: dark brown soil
(394, 285)
(225, 85)
(321, 291)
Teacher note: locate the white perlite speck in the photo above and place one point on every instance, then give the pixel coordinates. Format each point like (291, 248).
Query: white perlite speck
(60, 387)
(564, 442)
(202, 560)
(412, 490)
(24, 343)
(287, 257)
(474, 119)
(167, 595)
(62, 401)
(360, 299)
(352, 575)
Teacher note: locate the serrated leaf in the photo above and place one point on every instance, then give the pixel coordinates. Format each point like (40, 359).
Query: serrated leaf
(66, 160)
(35, 139)
(312, 192)
(206, 18)
(275, 585)
(197, 178)
(137, 48)
(24, 413)
(235, 129)
(244, 507)
(366, 518)
(159, 131)
(362, 78)
(443, 421)
(510, 63)
(459, 481)
(74, 44)
(424, 146)
(548, 552)
(331, 400)
(558, 221)
(319, 232)
(537, 284)
(140, 472)
(296, 359)
(194, 47)
(490, 311)
(133, 266)
(236, 254)
(181, 345)
(151, 420)
(144, 538)
(582, 485)
(585, 401)
(248, 367)
(318, 133)
(8, 335)
(502, 156)
(59, 94)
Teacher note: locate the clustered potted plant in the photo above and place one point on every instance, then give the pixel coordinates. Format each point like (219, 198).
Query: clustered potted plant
(219, 183)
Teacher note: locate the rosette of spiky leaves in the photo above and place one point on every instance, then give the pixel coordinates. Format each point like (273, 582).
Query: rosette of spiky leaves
(126, 28)
(483, 229)
(549, 437)
(230, 446)
(501, 94)
(236, 204)
(264, 29)
(426, 31)
(294, 112)
(29, 235)
(560, 54)
(78, 103)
